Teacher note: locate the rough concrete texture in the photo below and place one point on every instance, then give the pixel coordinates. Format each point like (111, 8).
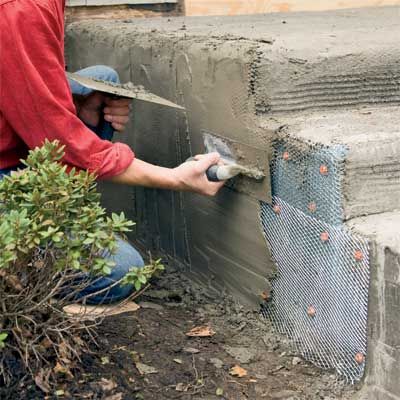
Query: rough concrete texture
(371, 135)
(319, 78)
(382, 380)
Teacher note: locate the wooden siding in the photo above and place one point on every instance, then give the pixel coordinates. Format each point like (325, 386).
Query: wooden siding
(237, 7)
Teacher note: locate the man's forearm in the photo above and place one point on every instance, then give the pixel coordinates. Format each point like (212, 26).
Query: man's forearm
(141, 173)
(189, 176)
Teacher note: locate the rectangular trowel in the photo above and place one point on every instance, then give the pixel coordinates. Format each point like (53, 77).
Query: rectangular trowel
(249, 163)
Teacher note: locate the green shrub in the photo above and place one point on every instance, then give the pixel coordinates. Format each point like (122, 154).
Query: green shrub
(53, 231)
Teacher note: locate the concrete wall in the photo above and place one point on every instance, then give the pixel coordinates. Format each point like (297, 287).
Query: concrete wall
(220, 239)
(312, 78)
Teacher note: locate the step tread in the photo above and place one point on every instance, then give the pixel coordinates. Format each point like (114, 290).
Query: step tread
(381, 228)
(351, 127)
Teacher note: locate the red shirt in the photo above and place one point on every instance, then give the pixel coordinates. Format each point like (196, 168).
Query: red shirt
(35, 98)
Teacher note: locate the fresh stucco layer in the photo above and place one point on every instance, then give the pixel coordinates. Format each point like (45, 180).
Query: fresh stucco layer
(382, 380)
(219, 239)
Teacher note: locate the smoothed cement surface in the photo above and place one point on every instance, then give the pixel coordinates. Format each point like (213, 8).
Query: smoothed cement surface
(219, 239)
(382, 380)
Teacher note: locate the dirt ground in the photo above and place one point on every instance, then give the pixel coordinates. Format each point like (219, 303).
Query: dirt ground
(146, 355)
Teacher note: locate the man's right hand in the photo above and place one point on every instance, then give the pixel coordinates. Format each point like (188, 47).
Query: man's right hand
(191, 175)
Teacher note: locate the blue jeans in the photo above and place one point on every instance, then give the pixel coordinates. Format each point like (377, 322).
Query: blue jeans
(126, 256)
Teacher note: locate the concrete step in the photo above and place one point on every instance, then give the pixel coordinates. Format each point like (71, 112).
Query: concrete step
(369, 139)
(383, 359)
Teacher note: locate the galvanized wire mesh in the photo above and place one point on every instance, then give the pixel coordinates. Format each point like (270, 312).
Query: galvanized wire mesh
(320, 294)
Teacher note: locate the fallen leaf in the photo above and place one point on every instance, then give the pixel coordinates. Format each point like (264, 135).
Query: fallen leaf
(178, 360)
(42, 381)
(60, 392)
(107, 384)
(190, 350)
(46, 343)
(89, 312)
(145, 369)
(181, 387)
(219, 391)
(201, 331)
(64, 351)
(105, 360)
(153, 306)
(135, 356)
(61, 369)
(238, 371)
(38, 264)
(117, 396)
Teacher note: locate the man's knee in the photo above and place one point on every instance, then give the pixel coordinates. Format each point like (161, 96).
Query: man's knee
(126, 257)
(106, 73)
(101, 72)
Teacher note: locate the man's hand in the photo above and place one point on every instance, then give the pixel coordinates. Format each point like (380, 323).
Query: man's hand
(91, 108)
(191, 175)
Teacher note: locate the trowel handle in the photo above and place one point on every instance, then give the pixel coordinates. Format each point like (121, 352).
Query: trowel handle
(212, 172)
(106, 130)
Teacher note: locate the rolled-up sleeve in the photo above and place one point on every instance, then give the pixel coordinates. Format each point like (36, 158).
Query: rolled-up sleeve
(35, 96)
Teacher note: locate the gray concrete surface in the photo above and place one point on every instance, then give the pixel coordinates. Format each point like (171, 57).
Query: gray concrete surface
(383, 361)
(215, 238)
(317, 77)
(371, 180)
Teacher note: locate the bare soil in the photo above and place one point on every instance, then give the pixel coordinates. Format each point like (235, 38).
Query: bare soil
(146, 355)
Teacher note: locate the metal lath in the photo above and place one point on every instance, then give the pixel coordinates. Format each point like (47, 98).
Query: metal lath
(320, 294)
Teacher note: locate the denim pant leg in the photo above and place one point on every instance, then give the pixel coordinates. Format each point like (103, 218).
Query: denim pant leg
(101, 72)
(125, 258)
(104, 130)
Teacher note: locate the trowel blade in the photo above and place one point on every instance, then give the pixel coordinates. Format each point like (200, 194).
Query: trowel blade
(251, 158)
(130, 92)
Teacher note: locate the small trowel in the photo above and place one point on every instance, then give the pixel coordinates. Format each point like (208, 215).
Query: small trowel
(251, 163)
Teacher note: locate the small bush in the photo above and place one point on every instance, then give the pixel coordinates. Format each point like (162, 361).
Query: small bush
(53, 233)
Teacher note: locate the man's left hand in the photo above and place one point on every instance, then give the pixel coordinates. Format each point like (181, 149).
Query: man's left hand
(91, 108)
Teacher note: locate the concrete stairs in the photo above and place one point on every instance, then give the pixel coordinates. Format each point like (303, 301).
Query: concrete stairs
(310, 80)
(382, 378)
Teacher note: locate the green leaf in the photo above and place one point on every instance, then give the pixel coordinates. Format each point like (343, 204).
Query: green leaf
(106, 270)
